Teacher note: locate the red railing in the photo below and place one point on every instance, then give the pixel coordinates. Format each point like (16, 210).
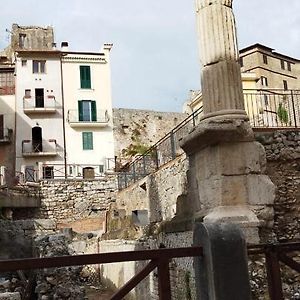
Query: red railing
(276, 254)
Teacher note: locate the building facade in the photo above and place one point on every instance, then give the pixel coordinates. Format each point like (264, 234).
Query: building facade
(88, 110)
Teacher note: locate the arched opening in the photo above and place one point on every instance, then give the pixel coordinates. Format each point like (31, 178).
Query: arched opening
(37, 139)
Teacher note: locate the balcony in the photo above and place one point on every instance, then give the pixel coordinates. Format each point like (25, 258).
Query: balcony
(101, 119)
(6, 136)
(39, 148)
(39, 106)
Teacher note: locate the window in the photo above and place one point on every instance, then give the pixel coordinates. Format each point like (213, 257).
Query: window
(27, 93)
(87, 141)
(241, 61)
(87, 111)
(85, 77)
(264, 80)
(38, 66)
(101, 169)
(22, 38)
(7, 83)
(282, 64)
(265, 59)
(48, 172)
(285, 85)
(289, 67)
(24, 62)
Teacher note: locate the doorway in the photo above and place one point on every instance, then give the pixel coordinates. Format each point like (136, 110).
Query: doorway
(37, 139)
(39, 97)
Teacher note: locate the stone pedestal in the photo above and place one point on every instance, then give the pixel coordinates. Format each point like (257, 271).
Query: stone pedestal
(227, 174)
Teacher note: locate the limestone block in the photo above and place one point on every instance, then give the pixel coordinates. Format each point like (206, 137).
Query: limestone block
(230, 159)
(223, 190)
(45, 224)
(78, 247)
(10, 296)
(240, 215)
(261, 190)
(212, 132)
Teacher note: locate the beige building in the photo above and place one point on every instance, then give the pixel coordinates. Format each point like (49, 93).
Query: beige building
(271, 86)
(274, 70)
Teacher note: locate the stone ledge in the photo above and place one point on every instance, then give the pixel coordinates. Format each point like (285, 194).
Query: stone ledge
(211, 132)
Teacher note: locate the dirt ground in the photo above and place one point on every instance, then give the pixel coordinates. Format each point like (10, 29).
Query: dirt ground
(98, 294)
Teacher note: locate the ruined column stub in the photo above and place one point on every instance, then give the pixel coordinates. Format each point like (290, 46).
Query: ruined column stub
(221, 76)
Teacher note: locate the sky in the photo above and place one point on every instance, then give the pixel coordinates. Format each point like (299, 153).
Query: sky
(154, 60)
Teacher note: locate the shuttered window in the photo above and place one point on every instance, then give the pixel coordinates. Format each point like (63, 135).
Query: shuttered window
(85, 77)
(87, 111)
(87, 141)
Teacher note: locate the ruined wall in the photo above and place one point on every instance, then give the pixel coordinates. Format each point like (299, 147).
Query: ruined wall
(70, 200)
(168, 185)
(138, 129)
(158, 193)
(283, 167)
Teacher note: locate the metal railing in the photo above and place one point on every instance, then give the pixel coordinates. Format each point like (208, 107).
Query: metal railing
(100, 117)
(273, 108)
(265, 109)
(276, 254)
(44, 147)
(158, 258)
(165, 150)
(30, 103)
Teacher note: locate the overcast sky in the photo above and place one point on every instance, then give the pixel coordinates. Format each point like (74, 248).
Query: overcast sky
(155, 56)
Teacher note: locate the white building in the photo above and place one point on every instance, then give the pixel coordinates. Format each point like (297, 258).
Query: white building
(39, 113)
(88, 112)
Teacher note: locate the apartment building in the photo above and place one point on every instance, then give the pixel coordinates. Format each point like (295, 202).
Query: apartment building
(274, 70)
(39, 113)
(58, 105)
(88, 108)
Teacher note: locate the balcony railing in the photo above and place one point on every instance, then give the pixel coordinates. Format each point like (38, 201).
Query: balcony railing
(101, 119)
(39, 148)
(40, 106)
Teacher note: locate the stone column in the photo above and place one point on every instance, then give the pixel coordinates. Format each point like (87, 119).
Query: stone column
(221, 75)
(226, 176)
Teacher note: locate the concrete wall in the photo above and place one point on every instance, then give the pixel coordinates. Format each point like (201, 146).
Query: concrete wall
(133, 127)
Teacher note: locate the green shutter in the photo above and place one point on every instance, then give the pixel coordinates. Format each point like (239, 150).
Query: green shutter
(87, 140)
(85, 77)
(94, 110)
(80, 111)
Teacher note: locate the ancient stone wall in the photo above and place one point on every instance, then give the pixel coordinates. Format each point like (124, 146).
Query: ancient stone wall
(71, 200)
(135, 130)
(159, 192)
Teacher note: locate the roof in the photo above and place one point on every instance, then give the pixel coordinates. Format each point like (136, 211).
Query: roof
(268, 49)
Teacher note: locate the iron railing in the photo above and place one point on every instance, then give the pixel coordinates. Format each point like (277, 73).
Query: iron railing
(39, 148)
(273, 108)
(165, 150)
(101, 117)
(265, 109)
(48, 103)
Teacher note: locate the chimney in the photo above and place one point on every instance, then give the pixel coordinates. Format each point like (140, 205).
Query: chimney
(64, 46)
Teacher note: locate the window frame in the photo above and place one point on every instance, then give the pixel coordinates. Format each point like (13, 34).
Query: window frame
(265, 59)
(85, 77)
(38, 66)
(87, 140)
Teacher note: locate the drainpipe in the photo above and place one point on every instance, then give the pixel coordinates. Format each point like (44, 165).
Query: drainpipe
(63, 116)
